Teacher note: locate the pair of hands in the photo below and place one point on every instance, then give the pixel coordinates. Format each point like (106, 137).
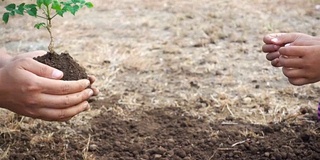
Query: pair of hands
(298, 54)
(32, 89)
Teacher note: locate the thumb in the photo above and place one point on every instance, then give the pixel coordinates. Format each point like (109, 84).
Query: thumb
(40, 69)
(284, 38)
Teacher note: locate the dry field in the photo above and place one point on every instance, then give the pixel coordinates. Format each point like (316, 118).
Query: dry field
(179, 79)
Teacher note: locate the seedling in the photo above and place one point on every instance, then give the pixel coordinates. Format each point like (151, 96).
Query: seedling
(45, 10)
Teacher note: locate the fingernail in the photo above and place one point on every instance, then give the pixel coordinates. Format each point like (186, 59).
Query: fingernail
(90, 93)
(288, 44)
(87, 107)
(57, 73)
(275, 40)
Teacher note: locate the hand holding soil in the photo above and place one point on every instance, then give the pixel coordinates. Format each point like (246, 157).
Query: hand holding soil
(40, 92)
(33, 89)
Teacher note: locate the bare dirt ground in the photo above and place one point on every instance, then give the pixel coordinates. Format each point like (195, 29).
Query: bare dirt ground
(178, 80)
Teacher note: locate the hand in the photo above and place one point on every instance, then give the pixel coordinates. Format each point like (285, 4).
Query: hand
(273, 42)
(34, 54)
(300, 63)
(33, 89)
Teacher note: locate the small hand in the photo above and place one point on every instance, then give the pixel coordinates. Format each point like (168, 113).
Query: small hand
(273, 42)
(300, 64)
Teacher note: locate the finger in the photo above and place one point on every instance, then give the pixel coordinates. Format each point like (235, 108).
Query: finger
(65, 101)
(294, 62)
(305, 42)
(39, 69)
(92, 79)
(292, 51)
(269, 39)
(273, 55)
(62, 114)
(293, 73)
(284, 38)
(298, 81)
(59, 87)
(270, 48)
(275, 63)
(68, 118)
(95, 91)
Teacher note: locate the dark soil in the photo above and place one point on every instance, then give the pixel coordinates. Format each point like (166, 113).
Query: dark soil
(65, 63)
(169, 133)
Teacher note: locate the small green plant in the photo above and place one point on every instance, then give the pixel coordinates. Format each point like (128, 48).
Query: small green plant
(46, 10)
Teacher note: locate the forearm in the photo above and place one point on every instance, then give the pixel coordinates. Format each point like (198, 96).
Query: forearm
(4, 57)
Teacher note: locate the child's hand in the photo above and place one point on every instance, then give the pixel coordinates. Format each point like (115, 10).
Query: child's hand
(301, 64)
(273, 42)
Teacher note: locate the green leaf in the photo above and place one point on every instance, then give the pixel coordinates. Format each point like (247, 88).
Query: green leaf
(39, 25)
(67, 7)
(10, 7)
(39, 3)
(30, 6)
(5, 17)
(47, 2)
(61, 12)
(75, 1)
(32, 12)
(74, 9)
(67, 3)
(89, 4)
(20, 9)
(12, 13)
(56, 5)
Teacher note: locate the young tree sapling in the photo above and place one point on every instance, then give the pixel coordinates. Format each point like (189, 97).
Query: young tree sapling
(47, 10)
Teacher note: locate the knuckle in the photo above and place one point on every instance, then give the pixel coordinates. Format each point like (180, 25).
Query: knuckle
(43, 70)
(31, 86)
(23, 61)
(67, 101)
(31, 101)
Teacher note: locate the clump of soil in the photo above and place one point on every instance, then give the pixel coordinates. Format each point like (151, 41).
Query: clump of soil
(65, 63)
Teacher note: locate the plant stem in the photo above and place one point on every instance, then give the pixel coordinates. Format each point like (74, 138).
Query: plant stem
(49, 25)
(51, 44)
